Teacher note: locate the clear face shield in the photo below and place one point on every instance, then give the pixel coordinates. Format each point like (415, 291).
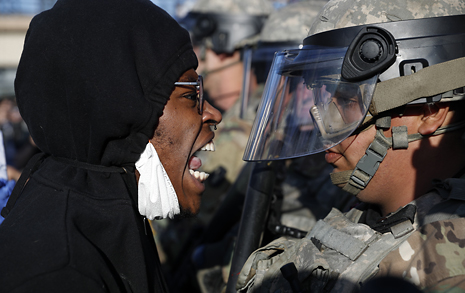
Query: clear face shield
(257, 63)
(306, 106)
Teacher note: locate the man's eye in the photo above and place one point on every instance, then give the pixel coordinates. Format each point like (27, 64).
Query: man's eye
(192, 96)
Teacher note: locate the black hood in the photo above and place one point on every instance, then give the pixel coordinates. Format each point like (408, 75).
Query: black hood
(95, 75)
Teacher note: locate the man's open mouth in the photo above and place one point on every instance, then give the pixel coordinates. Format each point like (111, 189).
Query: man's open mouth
(195, 163)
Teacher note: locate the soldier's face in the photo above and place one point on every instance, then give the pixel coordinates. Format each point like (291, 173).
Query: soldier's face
(395, 171)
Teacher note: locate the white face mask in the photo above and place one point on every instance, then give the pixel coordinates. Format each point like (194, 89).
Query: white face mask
(157, 197)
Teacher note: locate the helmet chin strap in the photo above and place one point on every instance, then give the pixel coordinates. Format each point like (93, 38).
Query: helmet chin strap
(356, 180)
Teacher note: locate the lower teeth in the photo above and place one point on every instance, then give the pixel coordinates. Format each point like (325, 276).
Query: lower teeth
(202, 176)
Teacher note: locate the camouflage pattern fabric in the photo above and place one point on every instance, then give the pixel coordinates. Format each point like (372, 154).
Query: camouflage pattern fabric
(339, 254)
(252, 7)
(308, 196)
(346, 13)
(433, 258)
(334, 257)
(292, 22)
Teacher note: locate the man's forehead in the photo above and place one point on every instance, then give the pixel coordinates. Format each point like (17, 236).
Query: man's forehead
(189, 76)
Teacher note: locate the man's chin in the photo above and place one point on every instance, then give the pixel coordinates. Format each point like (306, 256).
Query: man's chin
(186, 213)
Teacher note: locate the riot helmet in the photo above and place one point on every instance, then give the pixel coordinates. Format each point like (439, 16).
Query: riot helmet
(223, 24)
(347, 73)
(361, 61)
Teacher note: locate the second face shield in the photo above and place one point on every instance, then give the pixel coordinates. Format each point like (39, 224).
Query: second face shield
(306, 106)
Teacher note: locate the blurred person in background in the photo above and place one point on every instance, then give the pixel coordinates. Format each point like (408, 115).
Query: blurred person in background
(14, 148)
(8, 174)
(16, 140)
(19, 147)
(111, 97)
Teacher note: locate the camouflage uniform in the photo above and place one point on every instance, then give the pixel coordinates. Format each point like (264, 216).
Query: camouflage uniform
(292, 22)
(357, 12)
(340, 254)
(421, 242)
(431, 258)
(308, 194)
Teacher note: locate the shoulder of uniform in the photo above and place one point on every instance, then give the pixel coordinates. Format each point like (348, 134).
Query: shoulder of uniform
(430, 255)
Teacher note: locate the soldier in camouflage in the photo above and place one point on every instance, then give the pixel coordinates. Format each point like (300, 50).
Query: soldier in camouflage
(383, 81)
(306, 192)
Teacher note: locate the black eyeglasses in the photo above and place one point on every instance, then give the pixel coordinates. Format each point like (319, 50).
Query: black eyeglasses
(199, 85)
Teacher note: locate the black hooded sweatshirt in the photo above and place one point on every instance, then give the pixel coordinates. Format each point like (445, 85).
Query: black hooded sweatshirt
(92, 82)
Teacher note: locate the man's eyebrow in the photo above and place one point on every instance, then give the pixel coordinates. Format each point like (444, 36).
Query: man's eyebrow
(188, 79)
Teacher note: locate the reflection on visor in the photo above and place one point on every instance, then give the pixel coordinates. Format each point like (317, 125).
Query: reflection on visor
(306, 107)
(338, 105)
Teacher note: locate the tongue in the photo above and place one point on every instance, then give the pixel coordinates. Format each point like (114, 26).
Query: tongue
(194, 163)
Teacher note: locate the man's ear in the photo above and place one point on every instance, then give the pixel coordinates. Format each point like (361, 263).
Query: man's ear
(433, 117)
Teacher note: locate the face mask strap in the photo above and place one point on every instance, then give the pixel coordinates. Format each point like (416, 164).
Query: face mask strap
(356, 180)
(368, 164)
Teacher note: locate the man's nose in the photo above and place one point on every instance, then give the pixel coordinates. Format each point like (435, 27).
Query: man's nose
(211, 114)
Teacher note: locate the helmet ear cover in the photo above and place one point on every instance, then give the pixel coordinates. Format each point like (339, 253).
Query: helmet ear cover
(372, 51)
(224, 31)
(204, 26)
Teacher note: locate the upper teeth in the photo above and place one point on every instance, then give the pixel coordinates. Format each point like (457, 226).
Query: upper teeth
(202, 176)
(208, 147)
